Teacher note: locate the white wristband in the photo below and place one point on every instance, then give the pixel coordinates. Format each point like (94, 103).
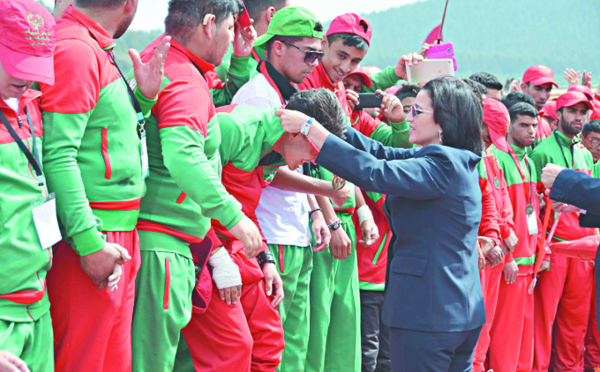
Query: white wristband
(225, 272)
(364, 213)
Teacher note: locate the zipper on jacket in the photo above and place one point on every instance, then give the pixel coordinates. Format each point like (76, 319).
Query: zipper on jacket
(378, 253)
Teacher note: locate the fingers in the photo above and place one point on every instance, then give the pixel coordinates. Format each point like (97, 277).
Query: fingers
(124, 255)
(280, 112)
(230, 295)
(268, 285)
(278, 294)
(114, 278)
(135, 58)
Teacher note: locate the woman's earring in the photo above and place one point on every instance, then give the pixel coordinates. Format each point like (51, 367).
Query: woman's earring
(440, 137)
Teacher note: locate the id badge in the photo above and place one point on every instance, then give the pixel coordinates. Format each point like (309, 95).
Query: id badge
(144, 155)
(46, 223)
(532, 224)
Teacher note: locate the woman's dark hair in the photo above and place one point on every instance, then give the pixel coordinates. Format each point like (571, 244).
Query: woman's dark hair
(456, 110)
(322, 105)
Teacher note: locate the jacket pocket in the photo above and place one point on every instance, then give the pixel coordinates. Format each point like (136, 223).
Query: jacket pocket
(167, 284)
(105, 153)
(410, 265)
(181, 197)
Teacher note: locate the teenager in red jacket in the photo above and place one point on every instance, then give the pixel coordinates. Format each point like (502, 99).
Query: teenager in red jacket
(95, 165)
(26, 56)
(495, 125)
(537, 83)
(511, 345)
(563, 293)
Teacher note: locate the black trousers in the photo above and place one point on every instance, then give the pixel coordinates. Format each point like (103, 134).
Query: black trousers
(375, 336)
(433, 351)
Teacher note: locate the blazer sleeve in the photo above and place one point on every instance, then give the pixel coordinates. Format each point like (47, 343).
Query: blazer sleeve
(375, 148)
(578, 189)
(421, 178)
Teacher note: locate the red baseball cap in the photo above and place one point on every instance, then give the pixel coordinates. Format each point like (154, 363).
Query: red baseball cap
(572, 98)
(580, 88)
(497, 119)
(549, 109)
(539, 75)
(27, 33)
(596, 112)
(359, 71)
(350, 23)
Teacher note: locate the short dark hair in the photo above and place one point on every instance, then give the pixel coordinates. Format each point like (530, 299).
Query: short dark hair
(349, 40)
(408, 90)
(591, 126)
(185, 16)
(322, 105)
(488, 80)
(101, 4)
(477, 88)
(257, 7)
(456, 110)
(521, 108)
(513, 98)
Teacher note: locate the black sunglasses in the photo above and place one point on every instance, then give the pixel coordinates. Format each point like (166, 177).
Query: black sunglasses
(311, 55)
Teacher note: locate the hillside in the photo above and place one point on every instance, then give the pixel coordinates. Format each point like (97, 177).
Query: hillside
(503, 37)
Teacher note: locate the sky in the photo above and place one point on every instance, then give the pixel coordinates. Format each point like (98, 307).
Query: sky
(151, 13)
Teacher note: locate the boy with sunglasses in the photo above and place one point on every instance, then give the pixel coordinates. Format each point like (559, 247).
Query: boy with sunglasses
(293, 45)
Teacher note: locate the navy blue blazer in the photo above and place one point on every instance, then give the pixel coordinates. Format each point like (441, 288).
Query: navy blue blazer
(434, 209)
(582, 191)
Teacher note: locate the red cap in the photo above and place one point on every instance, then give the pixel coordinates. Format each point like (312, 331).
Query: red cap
(27, 32)
(596, 112)
(572, 98)
(549, 109)
(350, 23)
(359, 71)
(497, 119)
(580, 88)
(539, 75)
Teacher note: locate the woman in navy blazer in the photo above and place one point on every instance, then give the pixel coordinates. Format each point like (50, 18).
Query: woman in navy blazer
(433, 299)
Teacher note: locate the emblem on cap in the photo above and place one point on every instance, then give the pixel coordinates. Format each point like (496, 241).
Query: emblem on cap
(36, 36)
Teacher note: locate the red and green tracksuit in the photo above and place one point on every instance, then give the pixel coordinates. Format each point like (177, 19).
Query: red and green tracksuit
(248, 135)
(25, 325)
(490, 173)
(592, 337)
(511, 345)
(183, 193)
(334, 290)
(563, 293)
(93, 164)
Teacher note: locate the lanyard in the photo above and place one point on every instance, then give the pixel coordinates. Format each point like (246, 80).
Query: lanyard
(528, 192)
(563, 153)
(134, 100)
(34, 159)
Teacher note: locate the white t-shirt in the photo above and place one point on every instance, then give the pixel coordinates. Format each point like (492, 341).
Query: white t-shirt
(282, 215)
(13, 103)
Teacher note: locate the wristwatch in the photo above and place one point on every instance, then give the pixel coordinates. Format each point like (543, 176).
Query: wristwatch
(335, 225)
(338, 183)
(306, 126)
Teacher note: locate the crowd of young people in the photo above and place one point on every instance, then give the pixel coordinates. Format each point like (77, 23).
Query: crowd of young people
(162, 219)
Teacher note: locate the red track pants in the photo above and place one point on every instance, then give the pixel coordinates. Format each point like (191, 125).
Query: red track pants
(490, 283)
(592, 338)
(562, 309)
(233, 337)
(92, 327)
(511, 335)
